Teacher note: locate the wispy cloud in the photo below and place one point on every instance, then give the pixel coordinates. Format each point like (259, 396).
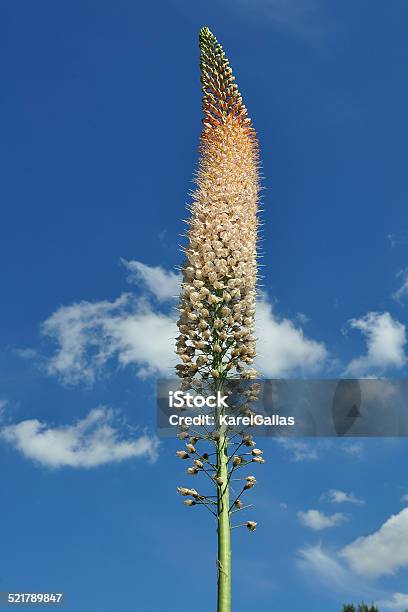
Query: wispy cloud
(327, 572)
(336, 496)
(398, 238)
(316, 520)
(163, 284)
(90, 442)
(299, 450)
(355, 449)
(386, 339)
(401, 293)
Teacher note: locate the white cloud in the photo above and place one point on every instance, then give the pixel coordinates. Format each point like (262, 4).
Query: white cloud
(132, 332)
(402, 292)
(383, 552)
(91, 442)
(299, 450)
(386, 340)
(88, 335)
(341, 497)
(316, 520)
(314, 559)
(163, 284)
(398, 601)
(283, 348)
(325, 570)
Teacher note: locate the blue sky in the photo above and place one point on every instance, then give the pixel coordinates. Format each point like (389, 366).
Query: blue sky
(100, 127)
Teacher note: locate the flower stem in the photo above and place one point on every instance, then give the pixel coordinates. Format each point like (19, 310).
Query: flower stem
(224, 529)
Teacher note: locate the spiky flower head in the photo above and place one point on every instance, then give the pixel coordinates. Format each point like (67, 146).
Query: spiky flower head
(217, 304)
(222, 102)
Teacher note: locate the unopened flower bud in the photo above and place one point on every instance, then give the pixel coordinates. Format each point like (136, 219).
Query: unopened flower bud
(249, 442)
(195, 494)
(181, 454)
(251, 525)
(184, 491)
(183, 435)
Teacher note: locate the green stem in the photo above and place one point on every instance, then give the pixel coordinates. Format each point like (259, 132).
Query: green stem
(224, 529)
(223, 501)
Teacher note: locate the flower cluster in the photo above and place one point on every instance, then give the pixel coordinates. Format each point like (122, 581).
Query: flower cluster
(217, 303)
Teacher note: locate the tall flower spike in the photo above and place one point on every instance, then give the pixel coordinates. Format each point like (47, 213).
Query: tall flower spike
(217, 301)
(217, 304)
